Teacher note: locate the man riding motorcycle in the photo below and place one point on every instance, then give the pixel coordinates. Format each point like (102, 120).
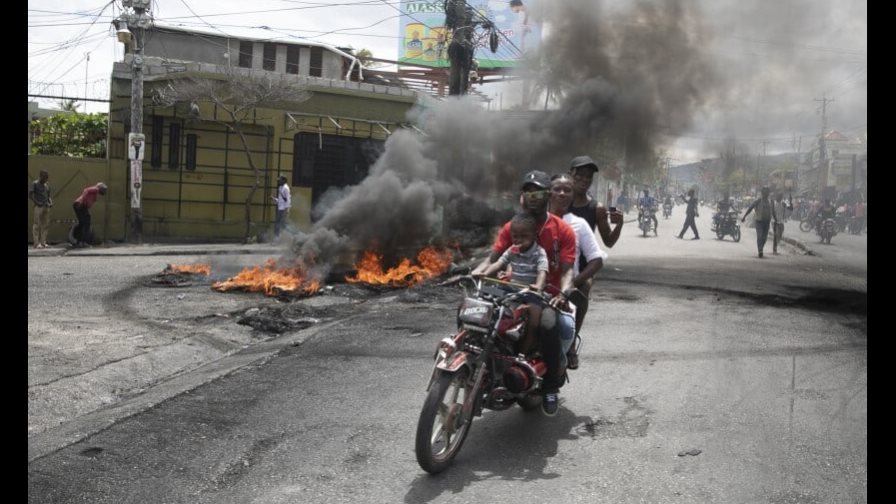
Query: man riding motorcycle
(723, 206)
(647, 209)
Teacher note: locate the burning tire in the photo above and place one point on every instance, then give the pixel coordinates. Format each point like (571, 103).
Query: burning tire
(441, 429)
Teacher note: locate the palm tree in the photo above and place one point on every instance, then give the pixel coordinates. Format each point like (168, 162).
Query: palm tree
(70, 105)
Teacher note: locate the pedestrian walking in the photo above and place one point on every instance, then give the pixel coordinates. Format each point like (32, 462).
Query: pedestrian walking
(765, 213)
(690, 213)
(82, 206)
(40, 196)
(779, 207)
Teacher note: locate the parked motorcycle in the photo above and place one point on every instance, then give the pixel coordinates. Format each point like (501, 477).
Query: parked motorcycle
(827, 229)
(492, 362)
(729, 225)
(667, 211)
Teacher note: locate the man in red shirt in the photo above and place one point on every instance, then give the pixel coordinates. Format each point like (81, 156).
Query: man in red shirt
(558, 240)
(82, 206)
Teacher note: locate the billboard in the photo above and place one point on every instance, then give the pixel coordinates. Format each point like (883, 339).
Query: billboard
(423, 38)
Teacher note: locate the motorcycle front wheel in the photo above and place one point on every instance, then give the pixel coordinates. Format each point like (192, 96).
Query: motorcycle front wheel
(441, 429)
(805, 225)
(736, 234)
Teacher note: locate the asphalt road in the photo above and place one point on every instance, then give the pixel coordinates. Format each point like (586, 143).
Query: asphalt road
(757, 365)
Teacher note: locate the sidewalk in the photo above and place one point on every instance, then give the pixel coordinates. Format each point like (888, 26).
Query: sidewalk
(154, 249)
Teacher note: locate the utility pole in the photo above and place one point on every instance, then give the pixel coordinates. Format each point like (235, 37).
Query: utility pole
(459, 20)
(760, 165)
(86, 68)
(137, 22)
(822, 156)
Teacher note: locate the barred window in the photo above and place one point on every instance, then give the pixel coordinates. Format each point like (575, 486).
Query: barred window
(316, 62)
(292, 60)
(269, 59)
(245, 54)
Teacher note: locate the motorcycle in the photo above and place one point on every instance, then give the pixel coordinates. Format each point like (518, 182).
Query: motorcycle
(827, 229)
(728, 225)
(807, 224)
(645, 221)
(491, 362)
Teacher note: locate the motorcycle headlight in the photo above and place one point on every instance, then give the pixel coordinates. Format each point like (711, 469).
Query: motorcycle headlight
(446, 347)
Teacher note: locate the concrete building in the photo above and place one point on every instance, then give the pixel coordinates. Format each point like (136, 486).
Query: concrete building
(196, 175)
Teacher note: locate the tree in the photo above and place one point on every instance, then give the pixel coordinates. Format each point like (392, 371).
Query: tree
(365, 56)
(69, 105)
(70, 135)
(238, 95)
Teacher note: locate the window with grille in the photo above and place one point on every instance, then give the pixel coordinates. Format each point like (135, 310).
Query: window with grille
(191, 152)
(245, 54)
(155, 146)
(173, 146)
(269, 59)
(292, 60)
(316, 62)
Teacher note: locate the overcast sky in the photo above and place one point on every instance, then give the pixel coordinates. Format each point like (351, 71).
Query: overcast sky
(763, 65)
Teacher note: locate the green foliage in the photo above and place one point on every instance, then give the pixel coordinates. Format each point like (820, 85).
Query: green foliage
(71, 135)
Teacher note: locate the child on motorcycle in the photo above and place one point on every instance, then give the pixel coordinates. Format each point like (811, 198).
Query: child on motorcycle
(526, 260)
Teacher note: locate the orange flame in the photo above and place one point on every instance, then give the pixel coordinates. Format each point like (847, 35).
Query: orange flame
(271, 280)
(431, 261)
(199, 269)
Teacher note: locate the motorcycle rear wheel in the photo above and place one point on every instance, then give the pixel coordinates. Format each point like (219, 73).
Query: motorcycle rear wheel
(441, 430)
(805, 225)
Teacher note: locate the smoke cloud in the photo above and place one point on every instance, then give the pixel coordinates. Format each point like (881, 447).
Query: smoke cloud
(620, 81)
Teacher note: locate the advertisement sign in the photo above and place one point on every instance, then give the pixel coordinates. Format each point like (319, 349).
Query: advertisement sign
(423, 38)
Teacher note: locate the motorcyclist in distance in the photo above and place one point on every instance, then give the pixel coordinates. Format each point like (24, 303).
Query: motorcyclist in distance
(647, 207)
(722, 208)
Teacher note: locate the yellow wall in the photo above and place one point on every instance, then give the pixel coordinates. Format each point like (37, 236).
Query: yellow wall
(186, 205)
(68, 177)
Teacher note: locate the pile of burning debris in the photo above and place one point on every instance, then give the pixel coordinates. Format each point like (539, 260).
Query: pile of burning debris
(287, 280)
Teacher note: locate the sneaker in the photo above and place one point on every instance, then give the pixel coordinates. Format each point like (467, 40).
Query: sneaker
(550, 404)
(760, 254)
(695, 238)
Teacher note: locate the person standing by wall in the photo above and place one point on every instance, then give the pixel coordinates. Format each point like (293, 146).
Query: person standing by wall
(82, 206)
(284, 202)
(40, 195)
(765, 213)
(690, 213)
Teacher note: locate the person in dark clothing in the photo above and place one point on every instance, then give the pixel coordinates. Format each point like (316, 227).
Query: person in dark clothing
(582, 170)
(765, 213)
(691, 212)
